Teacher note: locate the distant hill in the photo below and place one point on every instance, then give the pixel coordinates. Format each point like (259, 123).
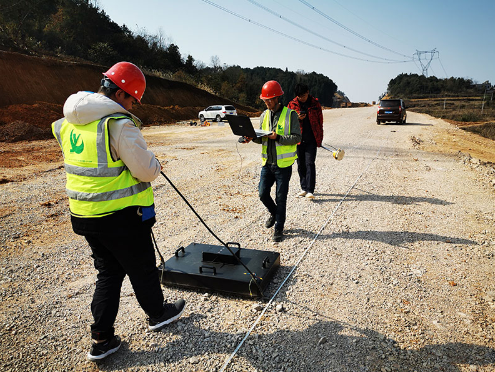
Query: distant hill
(420, 86)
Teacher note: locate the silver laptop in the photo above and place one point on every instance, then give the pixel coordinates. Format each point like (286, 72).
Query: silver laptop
(241, 125)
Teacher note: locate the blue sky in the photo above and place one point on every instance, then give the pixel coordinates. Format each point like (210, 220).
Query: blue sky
(369, 31)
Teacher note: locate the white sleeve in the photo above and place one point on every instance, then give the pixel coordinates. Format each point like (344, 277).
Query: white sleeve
(128, 144)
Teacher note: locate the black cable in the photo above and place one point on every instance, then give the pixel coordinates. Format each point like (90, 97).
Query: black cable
(253, 276)
(159, 254)
(156, 245)
(191, 207)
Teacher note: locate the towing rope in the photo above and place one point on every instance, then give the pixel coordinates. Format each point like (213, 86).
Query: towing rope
(229, 359)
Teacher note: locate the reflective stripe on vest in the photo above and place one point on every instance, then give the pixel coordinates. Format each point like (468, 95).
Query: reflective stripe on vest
(286, 154)
(96, 184)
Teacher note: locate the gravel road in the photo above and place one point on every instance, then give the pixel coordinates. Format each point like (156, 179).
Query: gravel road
(396, 272)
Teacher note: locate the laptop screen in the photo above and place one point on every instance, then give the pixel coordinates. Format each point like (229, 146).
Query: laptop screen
(242, 126)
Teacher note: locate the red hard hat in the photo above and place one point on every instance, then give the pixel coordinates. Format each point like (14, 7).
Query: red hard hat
(271, 89)
(128, 77)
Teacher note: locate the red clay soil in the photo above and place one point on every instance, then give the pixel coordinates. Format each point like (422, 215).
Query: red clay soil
(34, 89)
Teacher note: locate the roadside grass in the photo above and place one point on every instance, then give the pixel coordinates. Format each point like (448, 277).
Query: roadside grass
(474, 114)
(486, 130)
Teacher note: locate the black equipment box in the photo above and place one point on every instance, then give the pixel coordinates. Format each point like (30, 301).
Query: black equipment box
(214, 268)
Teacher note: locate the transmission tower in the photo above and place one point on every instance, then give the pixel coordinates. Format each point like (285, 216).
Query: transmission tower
(428, 57)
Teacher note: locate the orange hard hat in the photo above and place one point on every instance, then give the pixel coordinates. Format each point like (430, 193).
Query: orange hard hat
(271, 89)
(128, 77)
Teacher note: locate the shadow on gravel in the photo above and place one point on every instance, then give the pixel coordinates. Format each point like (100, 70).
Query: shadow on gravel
(393, 199)
(298, 233)
(397, 237)
(323, 346)
(416, 124)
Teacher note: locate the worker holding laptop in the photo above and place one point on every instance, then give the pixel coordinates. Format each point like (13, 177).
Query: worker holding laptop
(278, 153)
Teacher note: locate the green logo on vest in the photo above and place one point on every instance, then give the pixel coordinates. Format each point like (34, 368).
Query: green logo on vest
(280, 127)
(73, 143)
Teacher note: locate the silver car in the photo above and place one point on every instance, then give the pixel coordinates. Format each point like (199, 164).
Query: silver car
(217, 112)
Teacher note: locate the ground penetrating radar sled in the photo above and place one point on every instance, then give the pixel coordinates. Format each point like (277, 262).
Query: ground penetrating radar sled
(220, 269)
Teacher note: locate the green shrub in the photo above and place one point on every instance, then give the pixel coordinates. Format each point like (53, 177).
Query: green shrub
(469, 117)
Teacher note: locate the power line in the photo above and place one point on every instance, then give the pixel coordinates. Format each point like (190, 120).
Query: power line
(349, 30)
(316, 34)
(300, 15)
(441, 64)
(371, 25)
(291, 37)
(431, 68)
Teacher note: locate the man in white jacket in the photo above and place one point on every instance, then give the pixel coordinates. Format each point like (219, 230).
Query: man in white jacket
(109, 170)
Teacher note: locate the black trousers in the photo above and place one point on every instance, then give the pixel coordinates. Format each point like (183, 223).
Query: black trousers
(270, 174)
(306, 156)
(115, 257)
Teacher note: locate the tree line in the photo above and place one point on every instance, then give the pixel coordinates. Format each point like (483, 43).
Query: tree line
(80, 30)
(418, 86)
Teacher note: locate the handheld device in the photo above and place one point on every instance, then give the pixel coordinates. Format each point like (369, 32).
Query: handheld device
(338, 154)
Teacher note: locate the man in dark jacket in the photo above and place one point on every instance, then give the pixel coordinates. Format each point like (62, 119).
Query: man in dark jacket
(311, 122)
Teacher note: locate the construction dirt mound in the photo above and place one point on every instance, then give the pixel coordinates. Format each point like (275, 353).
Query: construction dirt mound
(34, 89)
(21, 131)
(28, 122)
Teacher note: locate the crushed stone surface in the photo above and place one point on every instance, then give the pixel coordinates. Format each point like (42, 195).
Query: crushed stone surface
(392, 264)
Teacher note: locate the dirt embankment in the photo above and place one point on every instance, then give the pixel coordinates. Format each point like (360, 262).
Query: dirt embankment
(33, 91)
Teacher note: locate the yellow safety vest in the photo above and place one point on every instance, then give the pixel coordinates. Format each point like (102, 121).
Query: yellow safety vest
(96, 184)
(286, 154)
